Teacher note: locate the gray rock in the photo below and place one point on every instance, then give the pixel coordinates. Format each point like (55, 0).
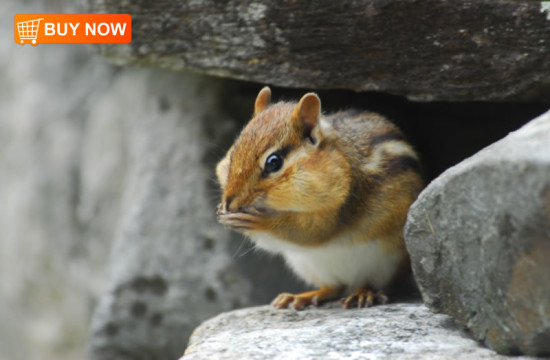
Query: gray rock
(479, 239)
(171, 266)
(395, 331)
(51, 267)
(423, 49)
(90, 155)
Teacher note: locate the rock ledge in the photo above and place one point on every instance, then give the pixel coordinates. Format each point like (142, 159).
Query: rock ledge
(422, 49)
(402, 331)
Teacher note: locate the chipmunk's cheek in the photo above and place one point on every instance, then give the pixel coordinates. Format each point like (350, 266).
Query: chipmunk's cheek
(277, 197)
(287, 198)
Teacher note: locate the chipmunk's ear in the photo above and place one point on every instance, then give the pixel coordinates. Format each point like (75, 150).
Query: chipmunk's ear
(306, 114)
(262, 100)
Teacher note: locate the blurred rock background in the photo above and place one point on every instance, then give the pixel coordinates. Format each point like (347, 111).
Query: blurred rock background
(100, 162)
(52, 254)
(108, 242)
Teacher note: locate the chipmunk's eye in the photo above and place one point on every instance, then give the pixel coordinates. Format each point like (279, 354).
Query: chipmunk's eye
(273, 163)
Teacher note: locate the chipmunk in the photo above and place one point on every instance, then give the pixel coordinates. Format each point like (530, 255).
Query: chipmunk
(328, 192)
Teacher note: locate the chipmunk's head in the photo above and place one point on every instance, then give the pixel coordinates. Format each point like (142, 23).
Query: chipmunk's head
(283, 161)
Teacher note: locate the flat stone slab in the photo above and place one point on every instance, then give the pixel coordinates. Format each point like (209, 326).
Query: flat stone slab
(396, 331)
(423, 49)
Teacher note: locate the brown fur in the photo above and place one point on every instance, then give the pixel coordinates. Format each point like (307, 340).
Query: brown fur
(350, 172)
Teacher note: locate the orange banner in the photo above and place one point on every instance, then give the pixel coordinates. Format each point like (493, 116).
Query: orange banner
(72, 28)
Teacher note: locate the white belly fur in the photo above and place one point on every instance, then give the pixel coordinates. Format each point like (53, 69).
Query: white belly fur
(339, 263)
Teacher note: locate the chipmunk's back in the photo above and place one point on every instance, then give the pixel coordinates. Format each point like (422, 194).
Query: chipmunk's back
(374, 141)
(387, 174)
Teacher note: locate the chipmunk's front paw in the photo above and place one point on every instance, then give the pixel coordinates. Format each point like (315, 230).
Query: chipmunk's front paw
(240, 221)
(364, 297)
(300, 301)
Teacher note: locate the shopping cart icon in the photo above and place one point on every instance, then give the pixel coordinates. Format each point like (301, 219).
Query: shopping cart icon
(28, 30)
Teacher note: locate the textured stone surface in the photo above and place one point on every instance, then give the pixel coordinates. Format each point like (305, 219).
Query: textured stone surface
(422, 49)
(396, 331)
(479, 238)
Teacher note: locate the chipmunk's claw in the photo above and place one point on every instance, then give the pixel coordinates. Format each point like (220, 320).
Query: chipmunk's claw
(282, 301)
(300, 301)
(364, 297)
